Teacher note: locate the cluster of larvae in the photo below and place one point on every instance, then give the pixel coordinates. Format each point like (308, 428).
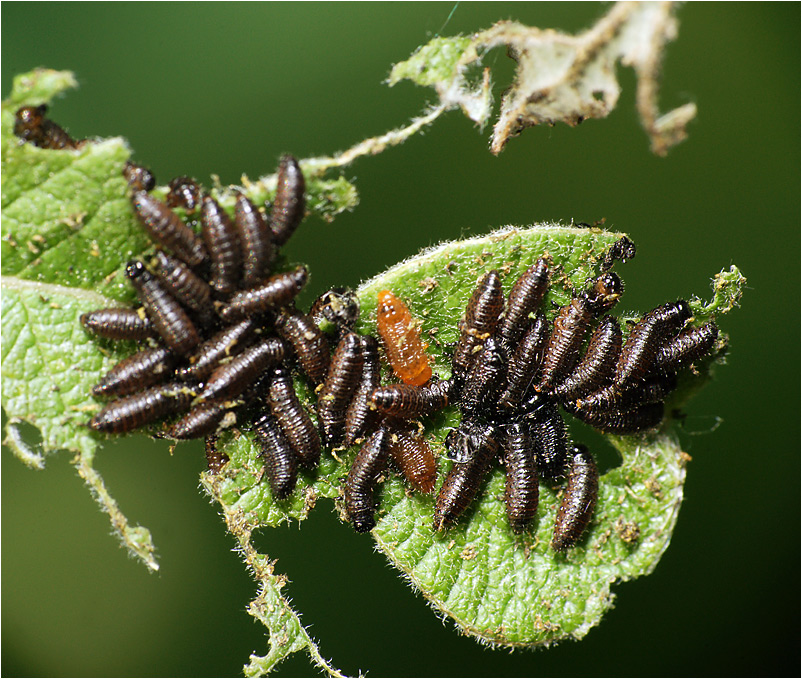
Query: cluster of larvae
(512, 369)
(224, 340)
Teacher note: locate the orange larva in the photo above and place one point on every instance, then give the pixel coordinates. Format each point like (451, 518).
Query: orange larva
(400, 334)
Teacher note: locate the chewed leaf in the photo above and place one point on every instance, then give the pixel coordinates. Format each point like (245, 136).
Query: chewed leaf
(559, 77)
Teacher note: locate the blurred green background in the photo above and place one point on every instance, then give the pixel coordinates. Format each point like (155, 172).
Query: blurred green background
(208, 88)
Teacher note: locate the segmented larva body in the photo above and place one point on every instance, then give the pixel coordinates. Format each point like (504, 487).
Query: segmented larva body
(231, 379)
(485, 378)
(203, 419)
(342, 380)
(281, 465)
(629, 420)
(479, 322)
(290, 203)
(31, 125)
(369, 463)
(277, 291)
(524, 298)
(646, 339)
(400, 335)
(256, 241)
(598, 364)
(184, 192)
(138, 371)
(579, 500)
(119, 324)
(227, 342)
(524, 365)
(215, 457)
(414, 458)
(294, 421)
(222, 244)
(521, 493)
(183, 284)
(360, 418)
(690, 345)
(139, 177)
(165, 227)
(462, 482)
(144, 407)
(548, 431)
(171, 322)
(308, 341)
(404, 400)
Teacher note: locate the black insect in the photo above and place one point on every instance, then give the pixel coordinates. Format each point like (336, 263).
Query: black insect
(166, 228)
(338, 306)
(256, 239)
(290, 203)
(216, 459)
(204, 418)
(169, 319)
(142, 369)
(370, 462)
(338, 389)
(226, 343)
(139, 177)
(277, 291)
(185, 285)
(185, 193)
(307, 340)
(31, 125)
(413, 456)
(293, 419)
(119, 323)
(360, 417)
(230, 379)
(131, 412)
(281, 464)
(579, 500)
(222, 244)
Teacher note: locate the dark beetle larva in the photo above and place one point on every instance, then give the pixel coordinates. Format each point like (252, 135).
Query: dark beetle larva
(292, 418)
(690, 345)
(334, 397)
(339, 306)
(622, 421)
(524, 298)
(403, 400)
(119, 324)
(230, 379)
(169, 319)
(167, 229)
(414, 457)
(400, 335)
(579, 500)
(32, 126)
(360, 418)
(184, 192)
(524, 365)
(228, 342)
(479, 322)
(623, 249)
(215, 457)
(571, 325)
(258, 251)
(222, 244)
(307, 340)
(203, 419)
(485, 378)
(548, 431)
(463, 479)
(521, 491)
(281, 464)
(131, 412)
(276, 291)
(187, 287)
(598, 365)
(646, 338)
(369, 463)
(142, 369)
(139, 178)
(290, 203)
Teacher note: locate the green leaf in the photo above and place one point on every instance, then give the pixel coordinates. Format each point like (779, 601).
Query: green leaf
(63, 252)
